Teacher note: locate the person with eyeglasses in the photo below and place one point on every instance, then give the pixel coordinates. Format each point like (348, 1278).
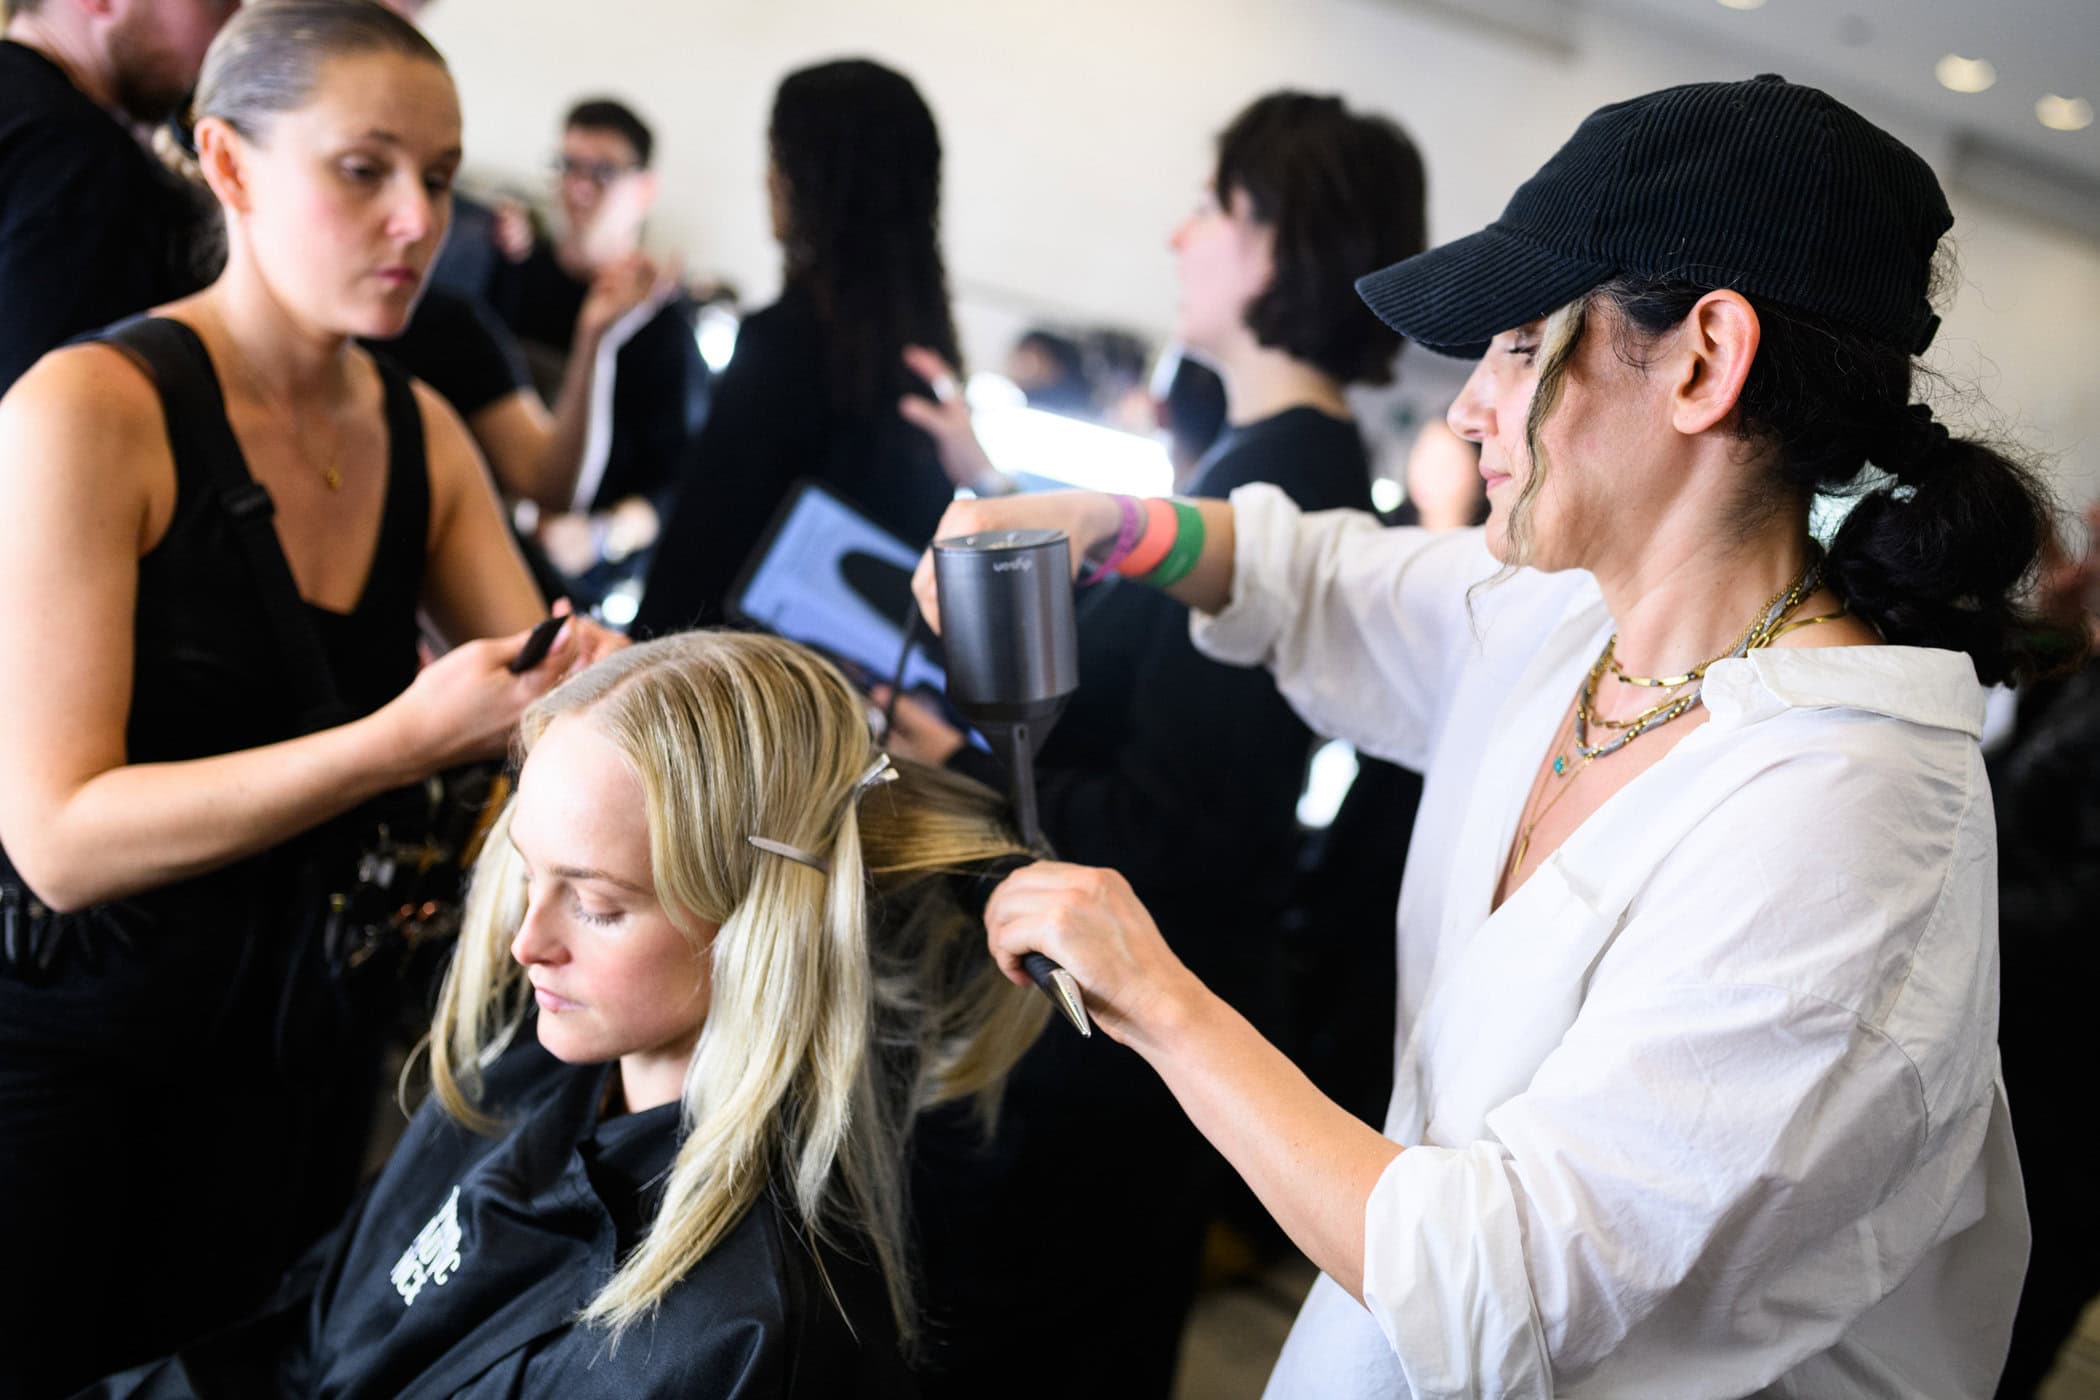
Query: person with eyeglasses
(550, 290)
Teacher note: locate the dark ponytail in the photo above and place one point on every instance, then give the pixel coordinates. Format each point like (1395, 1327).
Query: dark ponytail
(1942, 539)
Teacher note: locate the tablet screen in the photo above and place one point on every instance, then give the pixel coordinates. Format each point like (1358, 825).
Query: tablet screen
(827, 576)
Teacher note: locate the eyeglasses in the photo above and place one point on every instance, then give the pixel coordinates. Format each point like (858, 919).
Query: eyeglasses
(599, 172)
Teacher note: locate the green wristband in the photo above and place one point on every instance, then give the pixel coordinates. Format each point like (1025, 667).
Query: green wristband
(1188, 548)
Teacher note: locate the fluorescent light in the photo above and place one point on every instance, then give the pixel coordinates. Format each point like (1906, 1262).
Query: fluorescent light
(1744, 4)
(1958, 74)
(2064, 113)
(1028, 442)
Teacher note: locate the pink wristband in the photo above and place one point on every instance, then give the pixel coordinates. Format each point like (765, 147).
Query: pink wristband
(1161, 526)
(1132, 520)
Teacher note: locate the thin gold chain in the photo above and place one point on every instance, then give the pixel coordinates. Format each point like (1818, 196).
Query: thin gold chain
(331, 473)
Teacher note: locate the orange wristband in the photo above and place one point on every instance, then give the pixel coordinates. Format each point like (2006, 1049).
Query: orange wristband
(1161, 525)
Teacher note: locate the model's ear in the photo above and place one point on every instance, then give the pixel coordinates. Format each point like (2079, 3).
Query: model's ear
(1716, 344)
(222, 155)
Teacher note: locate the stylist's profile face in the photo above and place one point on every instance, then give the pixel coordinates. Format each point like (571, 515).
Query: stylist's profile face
(613, 976)
(1600, 442)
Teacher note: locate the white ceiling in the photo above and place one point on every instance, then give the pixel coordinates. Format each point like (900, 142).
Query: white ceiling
(1887, 48)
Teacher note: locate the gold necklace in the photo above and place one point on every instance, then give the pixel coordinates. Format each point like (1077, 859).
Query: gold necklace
(331, 474)
(1766, 627)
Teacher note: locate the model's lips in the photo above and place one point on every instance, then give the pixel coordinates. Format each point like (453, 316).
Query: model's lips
(1492, 477)
(550, 1001)
(399, 276)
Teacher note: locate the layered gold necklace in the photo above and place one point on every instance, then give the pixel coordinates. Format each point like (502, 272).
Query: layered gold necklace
(1683, 691)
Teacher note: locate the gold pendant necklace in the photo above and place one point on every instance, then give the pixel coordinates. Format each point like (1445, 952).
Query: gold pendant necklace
(330, 471)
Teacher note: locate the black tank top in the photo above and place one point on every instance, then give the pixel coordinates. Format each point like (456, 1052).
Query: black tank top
(209, 675)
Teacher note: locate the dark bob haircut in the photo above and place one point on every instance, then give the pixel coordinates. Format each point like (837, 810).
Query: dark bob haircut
(610, 114)
(1344, 194)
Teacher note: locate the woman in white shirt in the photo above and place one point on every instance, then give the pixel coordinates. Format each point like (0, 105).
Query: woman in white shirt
(1696, 1089)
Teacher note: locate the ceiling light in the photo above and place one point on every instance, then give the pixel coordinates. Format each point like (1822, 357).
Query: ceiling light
(2064, 113)
(1744, 4)
(1958, 74)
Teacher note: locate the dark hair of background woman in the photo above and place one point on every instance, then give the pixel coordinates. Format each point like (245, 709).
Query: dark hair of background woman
(861, 160)
(1937, 552)
(1344, 193)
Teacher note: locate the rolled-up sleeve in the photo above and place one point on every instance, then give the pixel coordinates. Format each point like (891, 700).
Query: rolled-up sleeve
(1360, 623)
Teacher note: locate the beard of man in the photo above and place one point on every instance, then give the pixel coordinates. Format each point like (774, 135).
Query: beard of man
(149, 85)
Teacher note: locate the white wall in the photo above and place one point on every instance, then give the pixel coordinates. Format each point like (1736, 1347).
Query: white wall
(1078, 132)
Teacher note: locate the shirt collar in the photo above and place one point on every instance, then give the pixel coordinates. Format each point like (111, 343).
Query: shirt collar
(1921, 685)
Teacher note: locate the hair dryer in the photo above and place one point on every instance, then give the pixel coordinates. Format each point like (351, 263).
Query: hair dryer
(1013, 661)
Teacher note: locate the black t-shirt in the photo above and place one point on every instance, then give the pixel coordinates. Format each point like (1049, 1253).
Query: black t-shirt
(92, 227)
(660, 383)
(456, 347)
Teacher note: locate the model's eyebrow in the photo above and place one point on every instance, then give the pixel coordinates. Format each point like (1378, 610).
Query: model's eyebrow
(582, 872)
(585, 872)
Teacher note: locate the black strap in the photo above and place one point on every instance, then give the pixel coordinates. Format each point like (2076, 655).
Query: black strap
(200, 435)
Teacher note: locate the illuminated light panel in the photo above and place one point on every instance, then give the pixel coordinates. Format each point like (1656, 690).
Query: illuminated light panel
(1958, 74)
(1024, 441)
(1744, 4)
(2064, 113)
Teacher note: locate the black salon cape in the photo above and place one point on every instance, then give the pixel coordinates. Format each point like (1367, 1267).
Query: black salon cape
(542, 1211)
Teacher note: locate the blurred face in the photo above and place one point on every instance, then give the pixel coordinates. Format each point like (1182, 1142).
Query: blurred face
(1604, 446)
(1224, 259)
(343, 202)
(601, 181)
(614, 977)
(156, 48)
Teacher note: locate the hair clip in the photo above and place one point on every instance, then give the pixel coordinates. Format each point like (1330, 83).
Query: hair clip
(879, 772)
(793, 853)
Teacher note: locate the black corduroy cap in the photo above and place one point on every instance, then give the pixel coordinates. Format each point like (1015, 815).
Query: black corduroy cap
(1773, 189)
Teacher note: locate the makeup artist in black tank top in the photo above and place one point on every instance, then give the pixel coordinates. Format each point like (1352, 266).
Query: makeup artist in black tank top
(170, 1097)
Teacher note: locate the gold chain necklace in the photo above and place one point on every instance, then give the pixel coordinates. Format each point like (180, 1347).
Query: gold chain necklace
(331, 473)
(1766, 627)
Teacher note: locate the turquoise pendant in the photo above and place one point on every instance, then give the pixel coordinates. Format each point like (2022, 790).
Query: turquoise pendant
(1560, 765)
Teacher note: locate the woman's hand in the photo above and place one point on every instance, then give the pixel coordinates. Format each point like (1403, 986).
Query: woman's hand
(1090, 518)
(1089, 923)
(465, 705)
(946, 419)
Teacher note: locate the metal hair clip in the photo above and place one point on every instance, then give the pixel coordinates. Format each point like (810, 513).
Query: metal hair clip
(793, 853)
(879, 772)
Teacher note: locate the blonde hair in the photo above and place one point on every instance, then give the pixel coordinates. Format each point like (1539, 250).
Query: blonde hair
(842, 1002)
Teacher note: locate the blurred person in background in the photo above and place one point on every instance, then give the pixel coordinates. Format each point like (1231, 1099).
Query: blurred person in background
(220, 526)
(854, 183)
(93, 227)
(1173, 769)
(612, 324)
(2045, 788)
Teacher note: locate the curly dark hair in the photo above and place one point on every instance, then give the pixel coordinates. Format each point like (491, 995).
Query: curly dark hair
(860, 157)
(1940, 542)
(1344, 193)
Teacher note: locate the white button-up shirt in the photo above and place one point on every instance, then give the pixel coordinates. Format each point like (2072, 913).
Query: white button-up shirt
(1710, 1106)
